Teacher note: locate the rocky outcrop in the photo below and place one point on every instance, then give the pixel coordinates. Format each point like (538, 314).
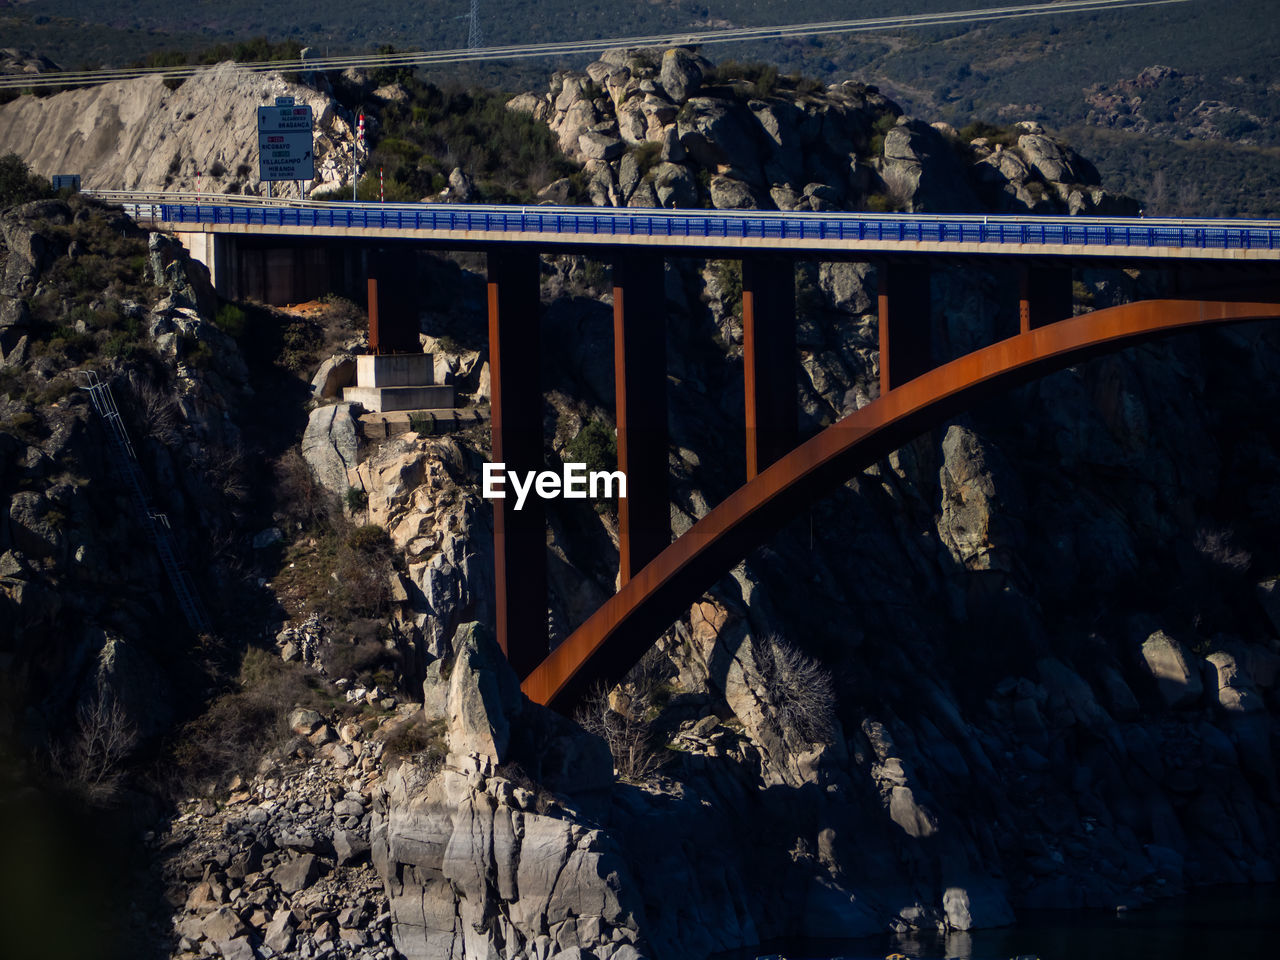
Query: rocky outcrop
(476, 858)
(140, 135)
(329, 447)
(729, 143)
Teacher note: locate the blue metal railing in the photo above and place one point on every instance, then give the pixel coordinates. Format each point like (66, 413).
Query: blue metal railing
(834, 229)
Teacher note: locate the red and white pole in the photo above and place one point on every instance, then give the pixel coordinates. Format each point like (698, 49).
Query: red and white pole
(382, 194)
(355, 160)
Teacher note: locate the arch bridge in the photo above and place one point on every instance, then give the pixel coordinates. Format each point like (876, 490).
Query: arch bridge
(1216, 271)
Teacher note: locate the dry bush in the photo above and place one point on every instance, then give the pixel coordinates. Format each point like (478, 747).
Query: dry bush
(161, 417)
(93, 761)
(628, 732)
(1218, 548)
(800, 689)
(298, 495)
(364, 568)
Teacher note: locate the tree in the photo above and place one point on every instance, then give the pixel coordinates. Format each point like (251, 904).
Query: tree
(18, 184)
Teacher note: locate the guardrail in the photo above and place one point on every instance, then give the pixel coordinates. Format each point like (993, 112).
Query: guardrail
(715, 225)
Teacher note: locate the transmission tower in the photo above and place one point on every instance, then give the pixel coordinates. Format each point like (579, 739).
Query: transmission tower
(474, 40)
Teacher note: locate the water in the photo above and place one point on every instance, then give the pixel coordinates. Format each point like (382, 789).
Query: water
(1226, 923)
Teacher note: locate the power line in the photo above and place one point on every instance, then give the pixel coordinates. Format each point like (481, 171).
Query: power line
(524, 51)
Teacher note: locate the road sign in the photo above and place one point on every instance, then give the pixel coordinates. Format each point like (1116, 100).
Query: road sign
(285, 143)
(69, 181)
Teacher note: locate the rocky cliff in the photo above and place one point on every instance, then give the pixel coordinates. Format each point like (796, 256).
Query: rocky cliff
(670, 128)
(142, 135)
(1030, 659)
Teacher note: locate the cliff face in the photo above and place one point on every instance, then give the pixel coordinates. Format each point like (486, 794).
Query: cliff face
(140, 135)
(1045, 634)
(672, 129)
(1027, 660)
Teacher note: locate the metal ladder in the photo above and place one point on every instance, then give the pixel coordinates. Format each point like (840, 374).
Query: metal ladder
(154, 523)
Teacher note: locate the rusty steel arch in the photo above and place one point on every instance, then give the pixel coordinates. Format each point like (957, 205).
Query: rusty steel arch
(617, 635)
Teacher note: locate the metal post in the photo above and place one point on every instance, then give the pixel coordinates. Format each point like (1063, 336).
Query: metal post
(1044, 296)
(519, 536)
(640, 385)
(768, 359)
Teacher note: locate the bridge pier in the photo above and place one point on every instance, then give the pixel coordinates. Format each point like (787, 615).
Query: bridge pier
(519, 537)
(905, 319)
(640, 389)
(1044, 297)
(393, 315)
(768, 359)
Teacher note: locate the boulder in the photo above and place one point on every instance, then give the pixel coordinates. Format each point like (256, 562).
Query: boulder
(599, 146)
(334, 374)
(681, 73)
(675, 186)
(329, 446)
(1177, 676)
(1046, 158)
(730, 194)
(296, 874)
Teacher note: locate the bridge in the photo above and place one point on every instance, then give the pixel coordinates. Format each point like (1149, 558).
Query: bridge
(1216, 272)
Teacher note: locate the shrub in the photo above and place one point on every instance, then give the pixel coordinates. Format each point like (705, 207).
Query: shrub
(18, 184)
(596, 445)
(357, 499)
(800, 689)
(230, 320)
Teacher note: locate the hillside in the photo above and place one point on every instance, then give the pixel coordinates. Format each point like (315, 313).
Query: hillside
(1066, 72)
(1029, 660)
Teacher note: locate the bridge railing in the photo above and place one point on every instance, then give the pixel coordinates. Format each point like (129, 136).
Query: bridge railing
(713, 225)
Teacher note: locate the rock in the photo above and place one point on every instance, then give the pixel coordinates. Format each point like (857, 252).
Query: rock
(481, 689)
(296, 874)
(1046, 158)
(334, 374)
(730, 194)
(1176, 676)
(222, 926)
(279, 932)
(238, 949)
(557, 191)
(302, 721)
(1235, 690)
(721, 136)
(148, 137)
(921, 169)
(681, 73)
(675, 186)
(349, 847)
(530, 104)
(329, 446)
(599, 146)
(461, 188)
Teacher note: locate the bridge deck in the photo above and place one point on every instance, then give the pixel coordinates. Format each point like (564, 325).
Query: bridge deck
(842, 234)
